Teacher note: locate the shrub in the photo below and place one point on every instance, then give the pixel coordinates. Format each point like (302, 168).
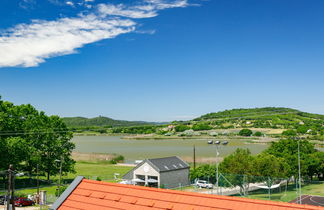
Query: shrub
(289, 133)
(117, 159)
(245, 132)
(181, 128)
(62, 189)
(258, 133)
(201, 126)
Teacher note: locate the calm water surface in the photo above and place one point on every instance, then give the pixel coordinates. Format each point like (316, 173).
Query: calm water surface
(141, 149)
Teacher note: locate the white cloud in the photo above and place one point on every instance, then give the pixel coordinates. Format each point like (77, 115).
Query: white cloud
(147, 10)
(162, 4)
(151, 32)
(27, 4)
(122, 10)
(29, 45)
(70, 3)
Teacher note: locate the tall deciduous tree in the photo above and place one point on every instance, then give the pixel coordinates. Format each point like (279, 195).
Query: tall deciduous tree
(287, 149)
(239, 167)
(29, 138)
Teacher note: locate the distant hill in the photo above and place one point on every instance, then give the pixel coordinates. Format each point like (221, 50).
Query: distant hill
(268, 117)
(102, 121)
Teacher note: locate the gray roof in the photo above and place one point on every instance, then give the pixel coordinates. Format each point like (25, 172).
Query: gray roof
(168, 163)
(160, 165)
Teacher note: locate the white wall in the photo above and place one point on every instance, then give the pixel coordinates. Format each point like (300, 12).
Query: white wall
(150, 172)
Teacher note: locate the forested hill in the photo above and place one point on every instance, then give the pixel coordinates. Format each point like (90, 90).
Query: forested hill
(268, 117)
(101, 122)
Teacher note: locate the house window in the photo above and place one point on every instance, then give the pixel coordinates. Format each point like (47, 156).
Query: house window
(140, 180)
(153, 181)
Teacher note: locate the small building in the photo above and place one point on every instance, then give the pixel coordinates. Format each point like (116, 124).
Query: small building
(168, 172)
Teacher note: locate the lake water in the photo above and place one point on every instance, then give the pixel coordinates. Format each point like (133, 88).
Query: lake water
(141, 149)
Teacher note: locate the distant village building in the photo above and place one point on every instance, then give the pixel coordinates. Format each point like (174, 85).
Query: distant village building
(168, 172)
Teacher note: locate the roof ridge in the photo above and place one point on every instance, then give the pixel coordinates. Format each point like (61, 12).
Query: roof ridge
(168, 191)
(163, 157)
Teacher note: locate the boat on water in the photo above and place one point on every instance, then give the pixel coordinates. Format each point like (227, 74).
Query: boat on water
(210, 142)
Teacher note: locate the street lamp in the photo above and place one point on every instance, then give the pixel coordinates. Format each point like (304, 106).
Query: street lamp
(299, 173)
(59, 185)
(218, 143)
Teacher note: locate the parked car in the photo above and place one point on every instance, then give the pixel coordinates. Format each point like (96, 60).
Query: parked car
(24, 202)
(204, 184)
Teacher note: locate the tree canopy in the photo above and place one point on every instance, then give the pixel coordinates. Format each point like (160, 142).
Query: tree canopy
(29, 137)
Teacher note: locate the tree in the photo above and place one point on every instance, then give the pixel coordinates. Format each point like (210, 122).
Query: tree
(245, 132)
(205, 172)
(302, 129)
(201, 126)
(287, 149)
(181, 128)
(315, 165)
(16, 151)
(289, 133)
(51, 142)
(30, 138)
(269, 168)
(258, 133)
(239, 168)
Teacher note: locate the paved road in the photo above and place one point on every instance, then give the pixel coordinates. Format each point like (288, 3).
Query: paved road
(313, 200)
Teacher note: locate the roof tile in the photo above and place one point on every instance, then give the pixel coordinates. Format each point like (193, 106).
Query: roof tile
(99, 195)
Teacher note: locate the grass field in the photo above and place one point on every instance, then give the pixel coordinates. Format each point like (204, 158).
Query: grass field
(290, 194)
(90, 170)
(98, 169)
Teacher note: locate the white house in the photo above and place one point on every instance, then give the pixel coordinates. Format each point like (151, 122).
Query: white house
(168, 172)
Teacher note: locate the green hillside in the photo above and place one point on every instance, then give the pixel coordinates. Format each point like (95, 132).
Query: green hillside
(101, 122)
(268, 117)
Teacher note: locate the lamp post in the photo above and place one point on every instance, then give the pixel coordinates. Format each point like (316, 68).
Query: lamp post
(299, 173)
(59, 184)
(218, 143)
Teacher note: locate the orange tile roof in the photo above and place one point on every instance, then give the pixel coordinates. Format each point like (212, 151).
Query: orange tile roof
(97, 195)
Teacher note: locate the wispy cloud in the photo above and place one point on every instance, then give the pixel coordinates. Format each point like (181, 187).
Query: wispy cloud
(70, 3)
(151, 32)
(28, 45)
(124, 11)
(27, 4)
(146, 9)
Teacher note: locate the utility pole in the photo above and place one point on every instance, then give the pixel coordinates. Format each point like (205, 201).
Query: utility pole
(217, 176)
(217, 143)
(37, 171)
(10, 196)
(9, 189)
(299, 174)
(194, 156)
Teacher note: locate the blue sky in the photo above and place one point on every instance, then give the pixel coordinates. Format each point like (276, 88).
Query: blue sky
(161, 60)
